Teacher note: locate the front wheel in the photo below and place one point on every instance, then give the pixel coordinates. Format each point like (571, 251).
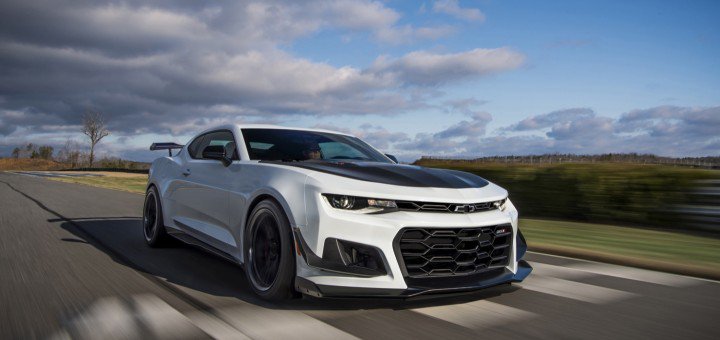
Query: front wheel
(269, 257)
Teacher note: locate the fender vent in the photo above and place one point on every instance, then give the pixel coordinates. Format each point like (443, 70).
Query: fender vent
(438, 252)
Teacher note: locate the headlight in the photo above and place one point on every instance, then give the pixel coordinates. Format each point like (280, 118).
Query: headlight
(500, 205)
(360, 204)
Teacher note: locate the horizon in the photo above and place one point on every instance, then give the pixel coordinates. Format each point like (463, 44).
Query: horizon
(630, 157)
(437, 78)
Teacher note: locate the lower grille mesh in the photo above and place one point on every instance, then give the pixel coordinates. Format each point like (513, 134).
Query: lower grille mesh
(437, 252)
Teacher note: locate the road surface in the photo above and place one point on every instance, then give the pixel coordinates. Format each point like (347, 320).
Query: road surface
(73, 264)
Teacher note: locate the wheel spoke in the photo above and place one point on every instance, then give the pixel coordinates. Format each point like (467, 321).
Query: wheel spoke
(266, 250)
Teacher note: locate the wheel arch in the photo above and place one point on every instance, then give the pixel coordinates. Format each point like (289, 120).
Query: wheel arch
(267, 196)
(254, 201)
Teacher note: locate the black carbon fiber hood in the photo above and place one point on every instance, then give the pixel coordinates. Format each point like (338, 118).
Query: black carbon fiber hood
(394, 174)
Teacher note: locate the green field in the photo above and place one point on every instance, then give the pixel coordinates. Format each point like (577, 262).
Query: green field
(654, 249)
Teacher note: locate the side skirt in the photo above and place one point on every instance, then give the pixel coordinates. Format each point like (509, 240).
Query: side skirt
(190, 240)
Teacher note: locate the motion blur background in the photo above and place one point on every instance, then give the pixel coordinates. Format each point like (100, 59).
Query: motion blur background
(601, 118)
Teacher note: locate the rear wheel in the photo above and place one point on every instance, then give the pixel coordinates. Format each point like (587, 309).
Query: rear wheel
(269, 256)
(153, 224)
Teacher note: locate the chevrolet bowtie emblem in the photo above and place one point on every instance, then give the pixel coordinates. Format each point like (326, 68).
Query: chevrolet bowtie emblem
(465, 208)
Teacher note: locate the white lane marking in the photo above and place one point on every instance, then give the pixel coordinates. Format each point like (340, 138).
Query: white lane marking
(574, 290)
(214, 327)
(262, 323)
(23, 174)
(163, 321)
(584, 270)
(607, 264)
(635, 274)
(60, 335)
(477, 314)
(544, 269)
(108, 318)
(42, 174)
(143, 316)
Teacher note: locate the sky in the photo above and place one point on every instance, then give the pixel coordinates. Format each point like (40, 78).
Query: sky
(442, 78)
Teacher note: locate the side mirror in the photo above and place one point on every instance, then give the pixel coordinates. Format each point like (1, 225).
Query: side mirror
(216, 152)
(392, 157)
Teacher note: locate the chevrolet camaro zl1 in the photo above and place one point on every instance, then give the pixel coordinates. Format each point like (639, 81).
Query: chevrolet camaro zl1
(325, 214)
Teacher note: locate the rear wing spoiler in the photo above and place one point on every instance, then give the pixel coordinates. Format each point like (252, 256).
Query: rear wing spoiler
(165, 146)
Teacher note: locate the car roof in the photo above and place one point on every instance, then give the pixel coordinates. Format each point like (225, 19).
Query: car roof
(262, 126)
(269, 126)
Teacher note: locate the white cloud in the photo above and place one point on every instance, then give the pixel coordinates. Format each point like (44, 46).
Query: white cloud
(427, 68)
(361, 15)
(549, 119)
(452, 7)
(172, 67)
(407, 33)
(468, 129)
(664, 130)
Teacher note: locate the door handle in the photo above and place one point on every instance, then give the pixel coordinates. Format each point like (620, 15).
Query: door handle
(186, 172)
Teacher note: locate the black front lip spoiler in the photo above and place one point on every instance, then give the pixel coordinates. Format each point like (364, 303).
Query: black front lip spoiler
(307, 287)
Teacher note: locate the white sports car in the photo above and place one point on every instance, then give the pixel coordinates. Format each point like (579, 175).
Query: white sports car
(325, 214)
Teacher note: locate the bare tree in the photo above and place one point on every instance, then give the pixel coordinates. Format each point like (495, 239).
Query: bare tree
(70, 153)
(94, 128)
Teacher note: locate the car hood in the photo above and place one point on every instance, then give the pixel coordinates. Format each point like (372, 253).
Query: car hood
(394, 174)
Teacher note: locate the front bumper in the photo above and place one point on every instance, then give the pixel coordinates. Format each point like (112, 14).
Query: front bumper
(319, 275)
(465, 284)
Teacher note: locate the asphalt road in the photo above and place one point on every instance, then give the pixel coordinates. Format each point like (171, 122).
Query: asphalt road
(73, 264)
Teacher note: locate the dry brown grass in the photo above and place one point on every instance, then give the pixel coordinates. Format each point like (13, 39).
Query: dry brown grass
(28, 164)
(110, 180)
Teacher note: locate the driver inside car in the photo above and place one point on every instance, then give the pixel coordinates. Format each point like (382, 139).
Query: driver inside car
(312, 152)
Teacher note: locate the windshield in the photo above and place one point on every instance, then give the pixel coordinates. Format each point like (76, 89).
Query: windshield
(296, 145)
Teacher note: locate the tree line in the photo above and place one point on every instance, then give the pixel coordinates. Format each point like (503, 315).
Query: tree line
(73, 156)
(31, 150)
(71, 153)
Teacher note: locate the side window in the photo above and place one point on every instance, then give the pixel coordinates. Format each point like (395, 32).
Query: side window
(223, 138)
(195, 148)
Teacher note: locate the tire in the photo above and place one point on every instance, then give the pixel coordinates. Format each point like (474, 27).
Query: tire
(152, 222)
(269, 256)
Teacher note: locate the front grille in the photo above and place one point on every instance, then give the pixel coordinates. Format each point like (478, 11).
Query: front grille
(438, 252)
(447, 207)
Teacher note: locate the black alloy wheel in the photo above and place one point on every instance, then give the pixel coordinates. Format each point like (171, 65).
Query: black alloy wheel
(265, 251)
(153, 225)
(150, 216)
(269, 255)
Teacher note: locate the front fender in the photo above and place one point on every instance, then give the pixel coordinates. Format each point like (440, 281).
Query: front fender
(259, 181)
(293, 208)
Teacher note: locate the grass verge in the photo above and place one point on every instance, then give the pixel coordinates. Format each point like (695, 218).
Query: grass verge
(119, 181)
(673, 252)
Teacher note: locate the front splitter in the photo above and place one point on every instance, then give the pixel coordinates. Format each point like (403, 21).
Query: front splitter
(308, 287)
